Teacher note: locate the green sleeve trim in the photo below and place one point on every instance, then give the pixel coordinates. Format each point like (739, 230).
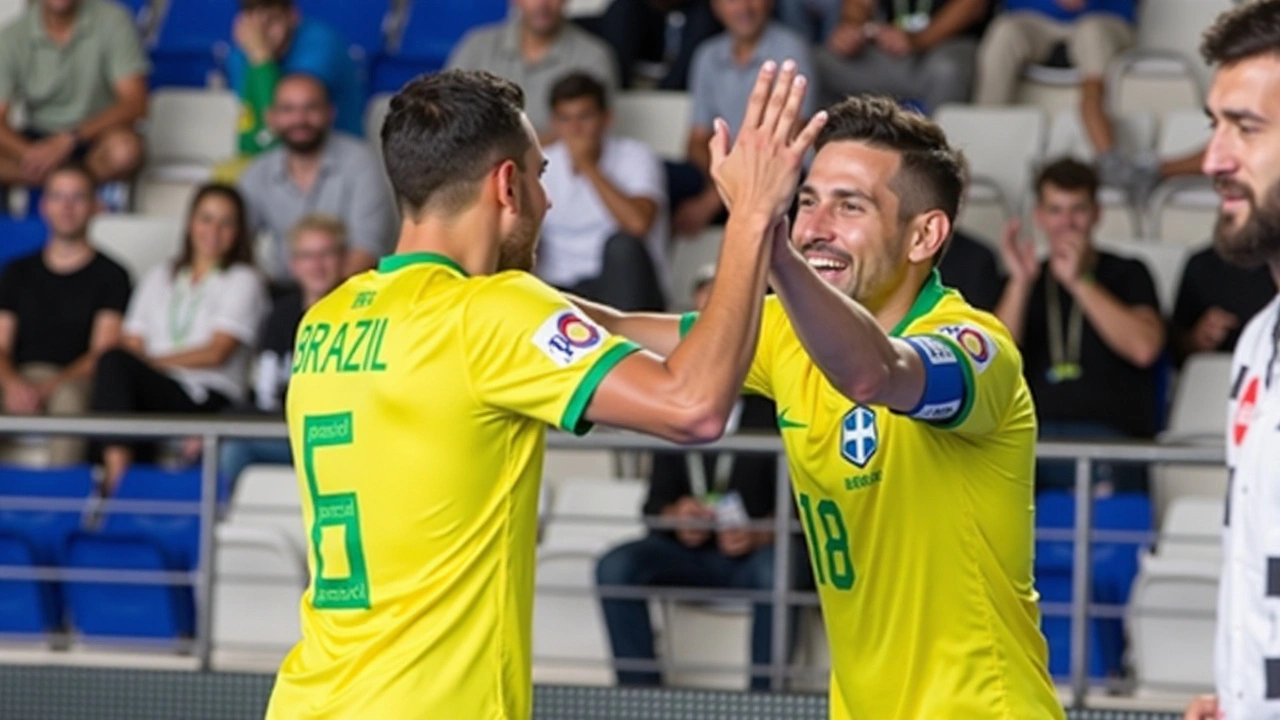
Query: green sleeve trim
(572, 421)
(970, 384)
(686, 323)
(259, 88)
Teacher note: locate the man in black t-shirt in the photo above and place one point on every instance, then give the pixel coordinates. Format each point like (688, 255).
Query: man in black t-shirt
(1088, 324)
(59, 310)
(317, 246)
(1215, 300)
(971, 267)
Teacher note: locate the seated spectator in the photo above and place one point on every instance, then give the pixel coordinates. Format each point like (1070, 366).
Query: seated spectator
(641, 30)
(969, 266)
(317, 247)
(1088, 324)
(604, 237)
(317, 170)
(273, 40)
(817, 20)
(918, 50)
(724, 71)
(1095, 31)
(59, 310)
(190, 327)
(1215, 300)
(700, 487)
(78, 69)
(533, 49)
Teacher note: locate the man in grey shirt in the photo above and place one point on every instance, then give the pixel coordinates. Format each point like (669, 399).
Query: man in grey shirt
(723, 73)
(534, 49)
(317, 170)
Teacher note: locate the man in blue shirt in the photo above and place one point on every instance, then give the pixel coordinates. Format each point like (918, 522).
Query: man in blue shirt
(273, 40)
(1094, 31)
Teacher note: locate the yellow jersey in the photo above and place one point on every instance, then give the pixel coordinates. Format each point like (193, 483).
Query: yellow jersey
(920, 533)
(417, 414)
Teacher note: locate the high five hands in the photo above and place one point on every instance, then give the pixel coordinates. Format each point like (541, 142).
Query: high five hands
(759, 174)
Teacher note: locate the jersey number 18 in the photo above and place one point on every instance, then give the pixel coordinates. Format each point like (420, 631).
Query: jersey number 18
(831, 560)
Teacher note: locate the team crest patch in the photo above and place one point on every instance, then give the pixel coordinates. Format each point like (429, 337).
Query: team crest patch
(859, 437)
(567, 336)
(976, 344)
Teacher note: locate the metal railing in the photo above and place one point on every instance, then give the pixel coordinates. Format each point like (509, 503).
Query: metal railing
(212, 430)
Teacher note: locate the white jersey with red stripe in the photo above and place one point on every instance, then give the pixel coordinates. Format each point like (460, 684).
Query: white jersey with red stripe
(1247, 655)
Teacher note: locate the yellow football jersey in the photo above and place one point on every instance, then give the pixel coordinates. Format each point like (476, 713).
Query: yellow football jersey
(417, 414)
(920, 533)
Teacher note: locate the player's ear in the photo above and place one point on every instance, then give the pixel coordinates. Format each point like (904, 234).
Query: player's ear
(505, 178)
(929, 232)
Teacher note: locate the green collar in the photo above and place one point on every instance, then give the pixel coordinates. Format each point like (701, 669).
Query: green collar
(930, 295)
(392, 263)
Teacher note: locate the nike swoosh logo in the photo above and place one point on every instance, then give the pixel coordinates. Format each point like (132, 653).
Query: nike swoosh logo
(785, 423)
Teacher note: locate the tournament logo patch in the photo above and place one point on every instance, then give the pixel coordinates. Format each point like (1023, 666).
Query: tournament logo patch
(859, 437)
(976, 344)
(1244, 412)
(567, 336)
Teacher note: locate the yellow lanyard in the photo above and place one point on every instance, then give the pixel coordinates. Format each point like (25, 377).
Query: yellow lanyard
(1064, 362)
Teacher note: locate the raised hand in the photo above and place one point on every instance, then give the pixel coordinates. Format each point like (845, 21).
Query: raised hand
(1019, 253)
(758, 176)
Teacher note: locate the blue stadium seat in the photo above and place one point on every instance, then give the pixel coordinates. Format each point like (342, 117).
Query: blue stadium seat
(361, 23)
(1055, 587)
(27, 607)
(21, 237)
(177, 535)
(431, 30)
(122, 610)
(43, 534)
(191, 34)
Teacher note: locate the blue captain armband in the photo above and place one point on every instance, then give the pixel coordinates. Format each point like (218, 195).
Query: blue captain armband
(945, 385)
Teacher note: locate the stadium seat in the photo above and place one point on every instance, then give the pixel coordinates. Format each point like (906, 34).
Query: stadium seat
(266, 496)
(1055, 587)
(260, 577)
(431, 30)
(27, 607)
(1002, 146)
(10, 10)
(715, 636)
(1171, 622)
(117, 612)
(1166, 48)
(190, 132)
(176, 535)
(375, 114)
(1205, 383)
(191, 38)
(20, 238)
(1171, 481)
(585, 8)
(592, 515)
(1182, 210)
(688, 256)
(1134, 133)
(364, 24)
(138, 242)
(1192, 529)
(660, 118)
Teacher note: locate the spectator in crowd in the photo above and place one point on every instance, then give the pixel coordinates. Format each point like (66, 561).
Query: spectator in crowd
(534, 49)
(1215, 300)
(920, 50)
(1095, 31)
(78, 69)
(317, 248)
(605, 236)
(719, 488)
(817, 20)
(272, 40)
(59, 310)
(189, 328)
(647, 30)
(723, 73)
(971, 267)
(317, 170)
(1088, 324)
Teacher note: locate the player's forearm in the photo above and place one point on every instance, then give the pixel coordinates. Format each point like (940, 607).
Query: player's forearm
(708, 366)
(843, 338)
(1136, 334)
(1012, 308)
(656, 332)
(12, 144)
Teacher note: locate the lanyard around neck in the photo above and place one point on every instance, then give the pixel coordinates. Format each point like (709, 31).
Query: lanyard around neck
(902, 9)
(188, 296)
(1064, 361)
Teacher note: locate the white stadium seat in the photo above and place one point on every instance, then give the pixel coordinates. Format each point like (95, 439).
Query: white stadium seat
(10, 10)
(191, 131)
(267, 496)
(688, 256)
(1166, 51)
(1171, 617)
(1002, 146)
(1134, 133)
(260, 575)
(658, 117)
(1192, 528)
(137, 242)
(1199, 400)
(1170, 482)
(1183, 209)
(715, 636)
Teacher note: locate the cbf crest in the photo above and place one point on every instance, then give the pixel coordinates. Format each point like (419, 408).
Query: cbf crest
(859, 437)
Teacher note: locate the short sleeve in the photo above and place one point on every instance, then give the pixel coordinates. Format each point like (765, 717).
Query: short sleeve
(992, 370)
(759, 380)
(701, 82)
(115, 289)
(150, 298)
(532, 353)
(125, 57)
(238, 312)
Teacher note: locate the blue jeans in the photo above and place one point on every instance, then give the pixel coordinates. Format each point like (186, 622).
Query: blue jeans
(663, 560)
(236, 455)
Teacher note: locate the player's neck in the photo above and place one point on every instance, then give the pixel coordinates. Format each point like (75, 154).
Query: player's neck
(889, 309)
(470, 239)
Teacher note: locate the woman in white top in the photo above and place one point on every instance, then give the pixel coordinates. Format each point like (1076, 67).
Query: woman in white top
(190, 326)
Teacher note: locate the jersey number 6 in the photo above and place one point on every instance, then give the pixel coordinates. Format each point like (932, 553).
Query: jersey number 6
(341, 578)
